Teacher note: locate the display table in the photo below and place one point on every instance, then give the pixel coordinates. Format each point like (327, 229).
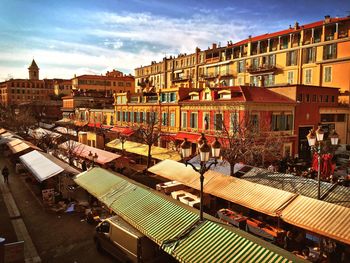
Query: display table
(264, 230)
(232, 218)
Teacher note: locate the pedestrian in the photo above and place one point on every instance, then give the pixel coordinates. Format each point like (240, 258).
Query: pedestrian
(5, 173)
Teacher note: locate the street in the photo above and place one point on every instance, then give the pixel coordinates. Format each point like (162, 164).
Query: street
(57, 237)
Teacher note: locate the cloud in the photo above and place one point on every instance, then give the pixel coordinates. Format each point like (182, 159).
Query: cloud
(123, 40)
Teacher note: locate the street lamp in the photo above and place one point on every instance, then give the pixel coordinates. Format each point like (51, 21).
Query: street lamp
(317, 137)
(93, 158)
(204, 155)
(122, 140)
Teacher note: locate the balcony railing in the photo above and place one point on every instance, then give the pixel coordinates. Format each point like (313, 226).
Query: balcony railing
(261, 69)
(182, 78)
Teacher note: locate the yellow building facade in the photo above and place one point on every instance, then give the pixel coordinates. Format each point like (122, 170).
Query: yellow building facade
(312, 54)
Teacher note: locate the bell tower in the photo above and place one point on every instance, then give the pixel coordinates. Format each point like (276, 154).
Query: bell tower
(33, 71)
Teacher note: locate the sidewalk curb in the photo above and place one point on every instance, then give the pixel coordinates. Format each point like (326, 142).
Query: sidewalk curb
(30, 252)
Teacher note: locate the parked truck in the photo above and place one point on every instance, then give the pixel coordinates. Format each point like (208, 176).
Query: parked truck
(126, 243)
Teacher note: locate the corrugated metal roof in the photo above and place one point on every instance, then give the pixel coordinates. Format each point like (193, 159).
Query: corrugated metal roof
(296, 184)
(320, 217)
(142, 149)
(258, 197)
(168, 222)
(213, 243)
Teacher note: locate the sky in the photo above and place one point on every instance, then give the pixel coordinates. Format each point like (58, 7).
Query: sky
(67, 37)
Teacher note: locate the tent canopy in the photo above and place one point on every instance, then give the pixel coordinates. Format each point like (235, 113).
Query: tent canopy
(142, 149)
(175, 226)
(261, 198)
(83, 150)
(41, 167)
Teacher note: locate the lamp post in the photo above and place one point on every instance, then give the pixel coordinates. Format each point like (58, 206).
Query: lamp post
(93, 158)
(317, 137)
(205, 164)
(122, 140)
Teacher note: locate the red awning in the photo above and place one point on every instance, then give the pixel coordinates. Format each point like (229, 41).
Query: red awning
(123, 130)
(193, 137)
(97, 125)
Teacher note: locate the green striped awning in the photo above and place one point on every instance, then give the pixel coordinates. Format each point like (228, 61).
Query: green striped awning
(97, 181)
(210, 242)
(174, 226)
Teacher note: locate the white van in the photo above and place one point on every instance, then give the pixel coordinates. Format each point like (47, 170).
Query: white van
(126, 243)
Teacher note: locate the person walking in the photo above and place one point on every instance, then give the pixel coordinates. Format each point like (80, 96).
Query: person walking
(5, 174)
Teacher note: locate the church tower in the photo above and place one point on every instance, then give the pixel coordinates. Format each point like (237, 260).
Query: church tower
(33, 71)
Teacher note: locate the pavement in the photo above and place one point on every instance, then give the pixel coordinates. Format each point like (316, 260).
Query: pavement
(13, 227)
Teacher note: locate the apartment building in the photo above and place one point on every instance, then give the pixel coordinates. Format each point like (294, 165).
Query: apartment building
(313, 54)
(15, 92)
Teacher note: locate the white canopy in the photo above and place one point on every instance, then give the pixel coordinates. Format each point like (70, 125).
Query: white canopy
(41, 167)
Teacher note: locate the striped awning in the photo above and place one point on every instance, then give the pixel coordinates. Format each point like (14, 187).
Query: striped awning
(319, 217)
(211, 242)
(174, 226)
(258, 197)
(97, 181)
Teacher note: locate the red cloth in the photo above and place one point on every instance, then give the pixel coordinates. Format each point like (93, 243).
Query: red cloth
(315, 162)
(327, 165)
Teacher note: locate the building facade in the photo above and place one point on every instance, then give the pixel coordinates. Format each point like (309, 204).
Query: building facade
(15, 92)
(313, 54)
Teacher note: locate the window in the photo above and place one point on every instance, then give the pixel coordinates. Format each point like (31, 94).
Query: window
(269, 80)
(314, 98)
(255, 63)
(184, 120)
(308, 76)
(240, 81)
(254, 119)
(272, 60)
(309, 55)
(218, 122)
(254, 80)
(300, 97)
(282, 122)
(137, 117)
(112, 120)
(164, 118)
(207, 95)
(172, 97)
(292, 58)
(234, 121)
(104, 119)
(172, 119)
(240, 66)
(307, 97)
(327, 74)
(206, 121)
(290, 79)
(284, 42)
(330, 51)
(194, 120)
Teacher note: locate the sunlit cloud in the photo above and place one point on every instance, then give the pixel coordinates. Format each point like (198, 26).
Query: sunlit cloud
(122, 41)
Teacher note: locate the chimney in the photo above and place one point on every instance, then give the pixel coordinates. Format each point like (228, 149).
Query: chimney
(214, 46)
(296, 25)
(327, 18)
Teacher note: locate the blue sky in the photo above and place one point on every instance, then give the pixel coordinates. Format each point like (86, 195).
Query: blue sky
(68, 37)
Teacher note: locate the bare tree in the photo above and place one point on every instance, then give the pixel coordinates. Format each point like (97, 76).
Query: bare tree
(245, 140)
(149, 132)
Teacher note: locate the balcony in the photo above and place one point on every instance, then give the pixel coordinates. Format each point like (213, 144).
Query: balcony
(182, 78)
(261, 69)
(209, 76)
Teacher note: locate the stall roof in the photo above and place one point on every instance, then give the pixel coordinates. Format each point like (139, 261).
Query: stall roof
(258, 197)
(67, 168)
(142, 149)
(64, 130)
(296, 184)
(175, 226)
(40, 133)
(41, 167)
(2, 130)
(17, 146)
(320, 217)
(83, 150)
